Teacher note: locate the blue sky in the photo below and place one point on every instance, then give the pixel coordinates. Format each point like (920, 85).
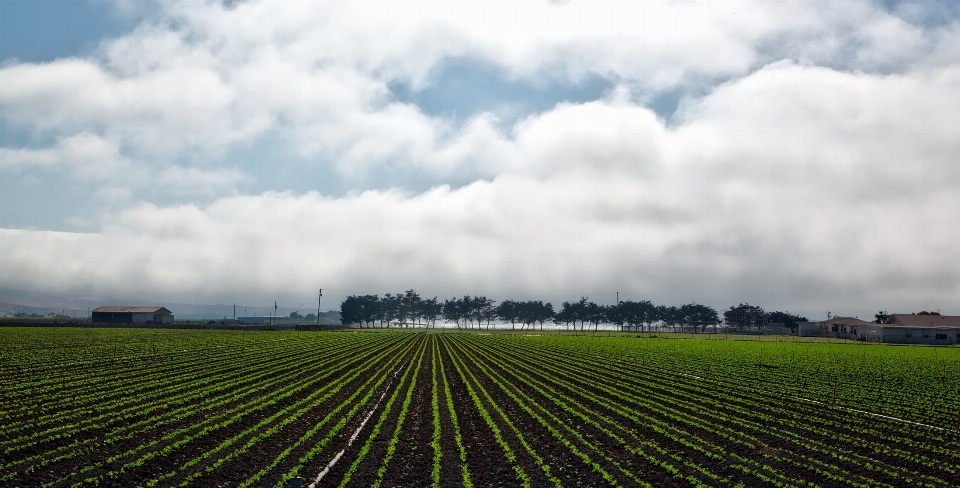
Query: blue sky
(44, 30)
(716, 152)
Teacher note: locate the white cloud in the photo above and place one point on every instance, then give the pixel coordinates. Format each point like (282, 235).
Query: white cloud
(86, 155)
(831, 131)
(203, 77)
(89, 157)
(17, 159)
(820, 171)
(181, 179)
(512, 237)
(155, 111)
(796, 187)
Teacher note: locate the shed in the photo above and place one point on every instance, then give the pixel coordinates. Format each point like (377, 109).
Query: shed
(131, 315)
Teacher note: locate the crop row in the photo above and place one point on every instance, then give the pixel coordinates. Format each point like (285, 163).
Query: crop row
(727, 422)
(444, 409)
(139, 435)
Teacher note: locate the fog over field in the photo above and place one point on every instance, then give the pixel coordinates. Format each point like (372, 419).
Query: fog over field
(797, 155)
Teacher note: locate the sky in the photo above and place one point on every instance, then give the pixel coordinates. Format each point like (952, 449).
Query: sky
(799, 155)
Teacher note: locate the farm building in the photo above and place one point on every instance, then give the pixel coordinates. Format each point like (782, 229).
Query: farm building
(918, 335)
(914, 320)
(257, 320)
(898, 329)
(921, 329)
(839, 327)
(131, 315)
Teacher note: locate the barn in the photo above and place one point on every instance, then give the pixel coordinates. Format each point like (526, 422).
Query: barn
(131, 315)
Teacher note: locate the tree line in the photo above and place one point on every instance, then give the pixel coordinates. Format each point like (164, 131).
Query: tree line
(408, 309)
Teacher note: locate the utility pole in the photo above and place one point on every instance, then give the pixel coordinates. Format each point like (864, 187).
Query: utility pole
(274, 313)
(318, 307)
(234, 312)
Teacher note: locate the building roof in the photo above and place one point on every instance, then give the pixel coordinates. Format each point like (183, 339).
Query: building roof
(848, 321)
(131, 309)
(912, 320)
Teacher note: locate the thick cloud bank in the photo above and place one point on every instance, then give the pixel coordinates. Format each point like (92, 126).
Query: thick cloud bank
(811, 164)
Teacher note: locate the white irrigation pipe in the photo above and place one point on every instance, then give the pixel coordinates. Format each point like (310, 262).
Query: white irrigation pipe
(356, 433)
(838, 407)
(876, 415)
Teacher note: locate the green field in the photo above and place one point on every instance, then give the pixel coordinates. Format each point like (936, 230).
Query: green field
(156, 407)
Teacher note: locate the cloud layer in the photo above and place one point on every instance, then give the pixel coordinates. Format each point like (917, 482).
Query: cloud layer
(811, 164)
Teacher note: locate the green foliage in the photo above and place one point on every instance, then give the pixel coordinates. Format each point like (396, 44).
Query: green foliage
(790, 320)
(178, 407)
(744, 316)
